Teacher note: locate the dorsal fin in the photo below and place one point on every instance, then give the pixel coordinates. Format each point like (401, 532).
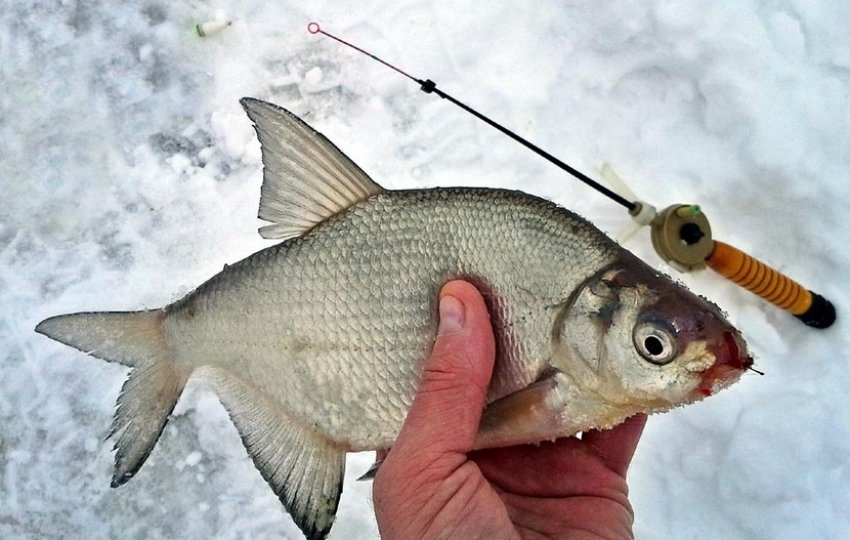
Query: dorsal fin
(306, 178)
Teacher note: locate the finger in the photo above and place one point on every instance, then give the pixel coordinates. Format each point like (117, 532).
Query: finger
(445, 414)
(616, 446)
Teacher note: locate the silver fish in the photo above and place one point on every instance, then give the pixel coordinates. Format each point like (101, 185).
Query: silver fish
(315, 345)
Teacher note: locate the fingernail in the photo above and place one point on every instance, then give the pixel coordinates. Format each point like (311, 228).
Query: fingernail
(451, 315)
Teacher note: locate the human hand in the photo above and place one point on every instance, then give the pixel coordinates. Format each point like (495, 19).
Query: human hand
(431, 486)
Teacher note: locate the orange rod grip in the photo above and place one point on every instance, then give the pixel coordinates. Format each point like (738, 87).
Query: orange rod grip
(759, 278)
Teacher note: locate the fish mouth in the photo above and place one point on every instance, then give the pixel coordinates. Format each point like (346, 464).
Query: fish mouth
(731, 360)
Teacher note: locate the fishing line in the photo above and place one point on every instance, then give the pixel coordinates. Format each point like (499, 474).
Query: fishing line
(428, 86)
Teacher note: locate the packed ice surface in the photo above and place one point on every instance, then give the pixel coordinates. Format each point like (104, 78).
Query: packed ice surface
(130, 175)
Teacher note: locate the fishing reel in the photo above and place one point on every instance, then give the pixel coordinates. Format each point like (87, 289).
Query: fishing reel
(681, 235)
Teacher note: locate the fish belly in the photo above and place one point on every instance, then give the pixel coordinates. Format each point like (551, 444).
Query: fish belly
(334, 326)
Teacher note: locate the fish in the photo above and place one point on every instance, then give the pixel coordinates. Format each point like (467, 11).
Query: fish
(315, 345)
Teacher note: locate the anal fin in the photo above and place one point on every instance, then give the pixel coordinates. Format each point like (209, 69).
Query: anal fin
(304, 469)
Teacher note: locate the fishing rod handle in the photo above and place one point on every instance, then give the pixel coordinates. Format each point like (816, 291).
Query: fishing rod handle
(750, 273)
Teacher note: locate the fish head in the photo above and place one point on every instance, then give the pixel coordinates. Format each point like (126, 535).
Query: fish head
(641, 342)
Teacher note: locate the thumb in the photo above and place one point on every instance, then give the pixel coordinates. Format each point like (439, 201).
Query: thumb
(418, 479)
(445, 414)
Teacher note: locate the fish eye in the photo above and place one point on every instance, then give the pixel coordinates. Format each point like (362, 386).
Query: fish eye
(655, 344)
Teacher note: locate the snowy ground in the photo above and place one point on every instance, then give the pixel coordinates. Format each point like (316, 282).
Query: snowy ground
(130, 174)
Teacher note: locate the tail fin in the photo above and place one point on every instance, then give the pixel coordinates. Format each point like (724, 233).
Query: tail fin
(133, 339)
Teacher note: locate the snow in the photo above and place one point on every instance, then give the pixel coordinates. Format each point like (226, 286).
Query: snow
(130, 174)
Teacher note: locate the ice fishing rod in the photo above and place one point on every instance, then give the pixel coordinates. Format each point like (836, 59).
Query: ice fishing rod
(681, 234)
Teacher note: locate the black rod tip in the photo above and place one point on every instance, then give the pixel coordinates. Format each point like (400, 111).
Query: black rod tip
(821, 314)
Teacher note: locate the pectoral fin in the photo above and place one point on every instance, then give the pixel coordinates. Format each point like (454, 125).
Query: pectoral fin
(529, 415)
(304, 469)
